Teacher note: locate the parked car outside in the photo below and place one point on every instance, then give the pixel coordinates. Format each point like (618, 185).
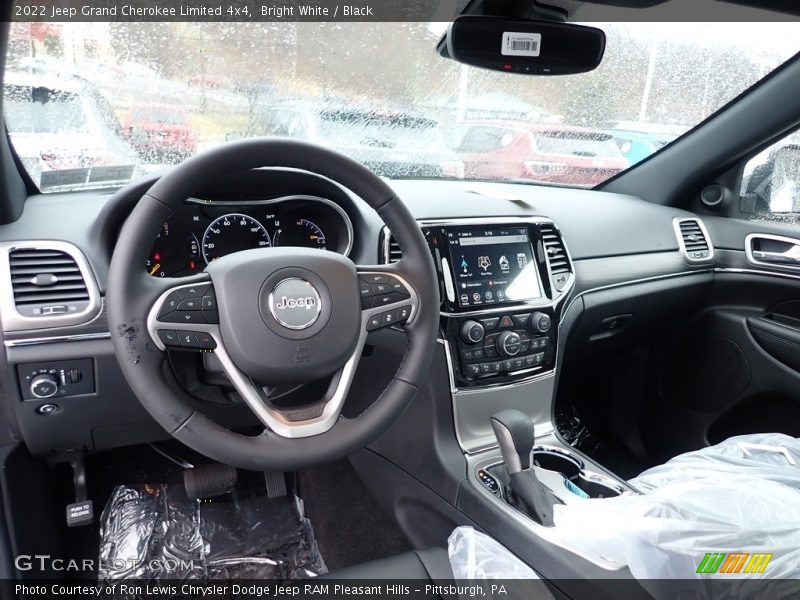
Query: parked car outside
(392, 143)
(547, 153)
(161, 132)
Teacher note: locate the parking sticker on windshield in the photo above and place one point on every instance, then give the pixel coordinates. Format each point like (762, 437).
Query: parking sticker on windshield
(518, 43)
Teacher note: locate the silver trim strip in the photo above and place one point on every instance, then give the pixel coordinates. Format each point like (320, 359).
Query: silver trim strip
(13, 321)
(676, 225)
(234, 203)
(270, 417)
(749, 252)
(79, 337)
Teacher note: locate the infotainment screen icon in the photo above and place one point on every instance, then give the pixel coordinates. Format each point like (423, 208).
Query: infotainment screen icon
(493, 266)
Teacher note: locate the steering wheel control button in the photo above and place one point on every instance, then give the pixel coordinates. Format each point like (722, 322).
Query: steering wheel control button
(375, 278)
(389, 317)
(189, 304)
(44, 385)
(403, 313)
(209, 302)
(472, 332)
(169, 338)
(195, 291)
(171, 303)
(211, 317)
(188, 339)
(184, 316)
(295, 303)
(205, 340)
(374, 322)
(386, 299)
(397, 287)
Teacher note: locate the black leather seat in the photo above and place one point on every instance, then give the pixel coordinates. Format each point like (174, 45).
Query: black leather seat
(432, 564)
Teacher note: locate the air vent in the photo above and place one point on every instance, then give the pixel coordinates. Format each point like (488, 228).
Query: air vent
(391, 249)
(560, 267)
(46, 282)
(694, 240)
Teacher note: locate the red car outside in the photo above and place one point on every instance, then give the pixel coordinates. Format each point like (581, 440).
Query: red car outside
(161, 132)
(546, 153)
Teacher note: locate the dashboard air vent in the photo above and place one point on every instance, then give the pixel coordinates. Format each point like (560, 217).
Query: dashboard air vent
(46, 282)
(391, 249)
(557, 259)
(694, 240)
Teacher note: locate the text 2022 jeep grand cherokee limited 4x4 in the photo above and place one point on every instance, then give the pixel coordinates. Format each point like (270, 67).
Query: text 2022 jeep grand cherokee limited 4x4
(268, 359)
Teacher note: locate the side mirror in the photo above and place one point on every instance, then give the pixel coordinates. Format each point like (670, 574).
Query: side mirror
(524, 46)
(785, 189)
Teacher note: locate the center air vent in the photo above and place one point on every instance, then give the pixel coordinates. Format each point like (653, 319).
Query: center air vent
(51, 286)
(557, 259)
(693, 239)
(390, 249)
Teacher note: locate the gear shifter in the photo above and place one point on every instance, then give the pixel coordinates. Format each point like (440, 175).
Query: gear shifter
(515, 435)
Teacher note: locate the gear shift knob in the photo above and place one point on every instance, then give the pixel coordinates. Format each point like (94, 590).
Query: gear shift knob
(515, 435)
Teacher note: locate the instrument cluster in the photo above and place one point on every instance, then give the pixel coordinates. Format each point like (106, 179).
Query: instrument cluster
(202, 231)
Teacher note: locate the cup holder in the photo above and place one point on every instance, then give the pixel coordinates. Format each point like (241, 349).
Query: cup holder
(572, 467)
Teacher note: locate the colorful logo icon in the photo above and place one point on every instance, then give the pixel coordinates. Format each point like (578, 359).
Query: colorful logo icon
(734, 562)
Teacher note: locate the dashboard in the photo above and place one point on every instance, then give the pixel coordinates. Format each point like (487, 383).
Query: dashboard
(205, 230)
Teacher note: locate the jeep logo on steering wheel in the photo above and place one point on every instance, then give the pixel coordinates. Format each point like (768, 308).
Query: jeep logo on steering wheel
(295, 303)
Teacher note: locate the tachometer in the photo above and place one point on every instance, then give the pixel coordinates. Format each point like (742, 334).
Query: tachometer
(302, 233)
(173, 254)
(232, 233)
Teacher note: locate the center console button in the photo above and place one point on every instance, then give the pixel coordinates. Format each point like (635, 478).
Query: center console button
(508, 343)
(505, 322)
(472, 332)
(490, 351)
(472, 370)
(489, 324)
(540, 322)
(508, 365)
(521, 320)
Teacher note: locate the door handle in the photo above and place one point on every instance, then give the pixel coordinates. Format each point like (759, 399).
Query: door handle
(790, 256)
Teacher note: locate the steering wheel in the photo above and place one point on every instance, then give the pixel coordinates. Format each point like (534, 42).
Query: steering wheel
(272, 316)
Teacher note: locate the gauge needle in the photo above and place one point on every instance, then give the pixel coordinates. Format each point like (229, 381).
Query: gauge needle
(155, 268)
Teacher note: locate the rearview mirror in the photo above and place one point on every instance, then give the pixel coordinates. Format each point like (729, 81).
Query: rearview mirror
(523, 46)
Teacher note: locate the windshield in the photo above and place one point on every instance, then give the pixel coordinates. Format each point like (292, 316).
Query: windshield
(397, 107)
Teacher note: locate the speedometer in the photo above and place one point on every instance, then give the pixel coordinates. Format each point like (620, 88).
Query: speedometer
(232, 233)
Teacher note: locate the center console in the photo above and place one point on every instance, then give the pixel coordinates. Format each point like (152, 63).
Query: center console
(502, 281)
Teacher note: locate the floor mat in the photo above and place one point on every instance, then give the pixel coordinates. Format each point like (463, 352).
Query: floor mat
(350, 526)
(156, 532)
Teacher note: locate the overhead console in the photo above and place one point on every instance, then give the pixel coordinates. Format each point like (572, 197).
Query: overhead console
(501, 282)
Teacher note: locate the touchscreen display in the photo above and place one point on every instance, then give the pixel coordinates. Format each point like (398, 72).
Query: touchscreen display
(493, 266)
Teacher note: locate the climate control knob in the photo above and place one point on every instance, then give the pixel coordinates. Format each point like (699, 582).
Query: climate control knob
(44, 386)
(509, 343)
(540, 322)
(472, 332)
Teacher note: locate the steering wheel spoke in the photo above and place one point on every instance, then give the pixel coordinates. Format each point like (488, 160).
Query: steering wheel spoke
(185, 316)
(387, 298)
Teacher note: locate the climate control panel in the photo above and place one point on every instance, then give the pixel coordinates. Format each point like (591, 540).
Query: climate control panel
(501, 347)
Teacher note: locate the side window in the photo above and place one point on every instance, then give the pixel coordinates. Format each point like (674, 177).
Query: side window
(771, 181)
